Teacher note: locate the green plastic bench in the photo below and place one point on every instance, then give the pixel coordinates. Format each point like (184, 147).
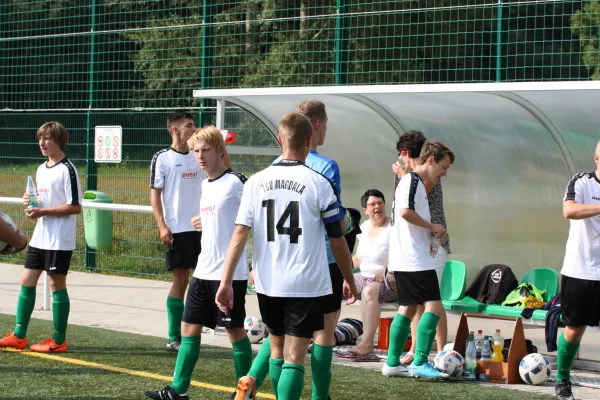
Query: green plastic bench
(542, 278)
(453, 287)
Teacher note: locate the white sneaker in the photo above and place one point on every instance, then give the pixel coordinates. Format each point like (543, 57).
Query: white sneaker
(400, 370)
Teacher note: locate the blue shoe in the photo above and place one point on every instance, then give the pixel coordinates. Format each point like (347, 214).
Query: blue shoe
(426, 371)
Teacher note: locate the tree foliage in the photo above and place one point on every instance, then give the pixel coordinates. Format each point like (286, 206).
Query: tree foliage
(586, 26)
(148, 53)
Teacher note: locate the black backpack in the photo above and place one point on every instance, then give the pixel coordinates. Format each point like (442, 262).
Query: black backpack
(492, 284)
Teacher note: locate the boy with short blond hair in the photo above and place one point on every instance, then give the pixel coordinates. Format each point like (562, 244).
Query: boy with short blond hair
(221, 195)
(53, 241)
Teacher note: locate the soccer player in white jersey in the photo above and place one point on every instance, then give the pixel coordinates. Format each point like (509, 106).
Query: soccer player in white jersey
(580, 286)
(288, 205)
(324, 340)
(221, 196)
(175, 184)
(412, 264)
(53, 240)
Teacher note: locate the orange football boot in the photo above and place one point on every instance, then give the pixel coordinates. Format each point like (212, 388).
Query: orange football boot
(246, 388)
(10, 340)
(49, 346)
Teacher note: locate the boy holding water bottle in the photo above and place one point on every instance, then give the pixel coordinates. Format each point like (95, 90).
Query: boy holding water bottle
(53, 241)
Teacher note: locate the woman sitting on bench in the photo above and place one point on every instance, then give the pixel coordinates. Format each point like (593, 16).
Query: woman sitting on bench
(371, 257)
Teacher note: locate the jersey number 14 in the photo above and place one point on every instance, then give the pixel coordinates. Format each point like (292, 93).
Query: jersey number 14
(292, 211)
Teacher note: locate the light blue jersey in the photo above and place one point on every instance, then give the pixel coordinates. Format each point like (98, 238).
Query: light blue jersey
(329, 168)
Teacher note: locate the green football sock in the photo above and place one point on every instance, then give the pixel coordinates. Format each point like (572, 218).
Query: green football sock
(291, 382)
(175, 309)
(425, 337)
(60, 314)
(399, 331)
(260, 367)
(275, 365)
(24, 310)
(242, 357)
(187, 357)
(320, 362)
(566, 355)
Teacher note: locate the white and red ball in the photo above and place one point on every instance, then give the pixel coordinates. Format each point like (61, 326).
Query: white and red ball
(535, 369)
(256, 330)
(449, 362)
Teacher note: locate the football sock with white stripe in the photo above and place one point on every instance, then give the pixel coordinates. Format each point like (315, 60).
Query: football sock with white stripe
(24, 309)
(425, 335)
(567, 352)
(60, 314)
(187, 357)
(242, 357)
(399, 331)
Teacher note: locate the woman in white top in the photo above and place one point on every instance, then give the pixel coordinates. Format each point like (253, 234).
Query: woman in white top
(371, 257)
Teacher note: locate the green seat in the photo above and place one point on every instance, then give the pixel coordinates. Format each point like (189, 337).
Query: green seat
(543, 279)
(466, 304)
(453, 287)
(454, 280)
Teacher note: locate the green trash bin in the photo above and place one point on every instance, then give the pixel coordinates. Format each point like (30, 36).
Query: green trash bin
(97, 224)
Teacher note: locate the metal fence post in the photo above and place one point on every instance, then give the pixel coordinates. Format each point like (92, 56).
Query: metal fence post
(501, 39)
(341, 43)
(207, 53)
(91, 170)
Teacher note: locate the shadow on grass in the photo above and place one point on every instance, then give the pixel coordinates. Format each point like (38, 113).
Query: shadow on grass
(61, 398)
(59, 371)
(207, 353)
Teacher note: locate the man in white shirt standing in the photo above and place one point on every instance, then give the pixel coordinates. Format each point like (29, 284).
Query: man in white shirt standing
(221, 196)
(289, 205)
(580, 286)
(175, 189)
(52, 242)
(412, 263)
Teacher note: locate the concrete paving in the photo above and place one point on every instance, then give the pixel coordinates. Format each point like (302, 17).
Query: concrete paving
(138, 306)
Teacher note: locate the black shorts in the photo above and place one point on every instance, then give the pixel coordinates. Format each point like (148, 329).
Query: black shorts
(580, 301)
(54, 262)
(417, 287)
(333, 302)
(201, 309)
(292, 316)
(184, 251)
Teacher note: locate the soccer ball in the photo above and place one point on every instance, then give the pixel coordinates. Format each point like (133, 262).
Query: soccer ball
(535, 369)
(255, 329)
(10, 222)
(449, 362)
(448, 346)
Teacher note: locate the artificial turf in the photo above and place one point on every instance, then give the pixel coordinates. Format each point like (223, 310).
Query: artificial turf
(27, 377)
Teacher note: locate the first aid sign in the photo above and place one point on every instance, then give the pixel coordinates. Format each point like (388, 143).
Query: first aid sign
(108, 144)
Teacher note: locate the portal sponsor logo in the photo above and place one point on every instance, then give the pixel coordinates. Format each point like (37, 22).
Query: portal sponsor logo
(207, 210)
(189, 175)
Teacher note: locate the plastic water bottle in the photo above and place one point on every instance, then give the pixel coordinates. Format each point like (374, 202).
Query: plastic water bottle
(32, 192)
(486, 349)
(401, 161)
(471, 359)
(497, 346)
(228, 136)
(486, 354)
(434, 246)
(479, 343)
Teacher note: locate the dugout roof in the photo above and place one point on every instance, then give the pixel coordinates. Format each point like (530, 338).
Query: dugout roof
(517, 145)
